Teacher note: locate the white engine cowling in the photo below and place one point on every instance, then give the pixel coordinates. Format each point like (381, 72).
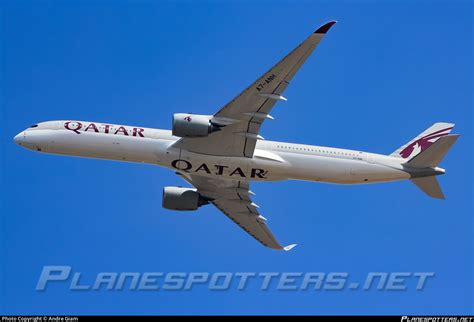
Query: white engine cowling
(176, 198)
(192, 125)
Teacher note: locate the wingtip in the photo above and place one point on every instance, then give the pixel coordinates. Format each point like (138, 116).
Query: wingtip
(289, 247)
(324, 28)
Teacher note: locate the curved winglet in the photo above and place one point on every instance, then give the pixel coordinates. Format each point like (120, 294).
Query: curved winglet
(324, 28)
(289, 247)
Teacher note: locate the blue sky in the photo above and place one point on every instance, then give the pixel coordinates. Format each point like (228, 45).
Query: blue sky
(384, 73)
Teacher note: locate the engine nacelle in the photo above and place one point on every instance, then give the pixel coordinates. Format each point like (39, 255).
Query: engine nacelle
(176, 198)
(192, 126)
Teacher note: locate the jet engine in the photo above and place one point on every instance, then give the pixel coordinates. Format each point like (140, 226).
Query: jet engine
(176, 198)
(192, 126)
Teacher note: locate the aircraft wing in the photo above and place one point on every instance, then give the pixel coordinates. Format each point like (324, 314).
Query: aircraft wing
(242, 117)
(232, 197)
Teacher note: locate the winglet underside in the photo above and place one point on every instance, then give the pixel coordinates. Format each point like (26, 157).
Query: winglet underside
(324, 28)
(289, 247)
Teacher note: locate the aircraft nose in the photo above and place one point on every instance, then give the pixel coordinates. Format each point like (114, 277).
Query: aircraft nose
(19, 138)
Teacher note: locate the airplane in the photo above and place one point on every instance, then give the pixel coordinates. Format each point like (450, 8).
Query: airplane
(219, 155)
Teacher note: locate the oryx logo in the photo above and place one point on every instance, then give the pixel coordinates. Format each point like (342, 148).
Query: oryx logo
(423, 143)
(188, 118)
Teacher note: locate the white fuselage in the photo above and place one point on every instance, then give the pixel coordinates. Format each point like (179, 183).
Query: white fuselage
(271, 160)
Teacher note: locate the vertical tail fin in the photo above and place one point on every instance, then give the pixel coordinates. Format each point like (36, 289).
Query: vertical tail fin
(423, 141)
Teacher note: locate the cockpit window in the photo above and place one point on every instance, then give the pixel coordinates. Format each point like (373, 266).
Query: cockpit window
(36, 125)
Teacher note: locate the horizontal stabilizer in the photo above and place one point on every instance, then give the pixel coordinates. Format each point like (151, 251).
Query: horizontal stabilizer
(433, 155)
(430, 186)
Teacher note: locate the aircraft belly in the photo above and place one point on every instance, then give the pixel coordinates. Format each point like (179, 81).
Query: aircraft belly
(112, 147)
(363, 172)
(338, 170)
